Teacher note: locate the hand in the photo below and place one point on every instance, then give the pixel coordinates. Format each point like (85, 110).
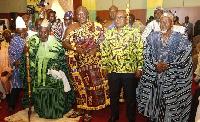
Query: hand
(161, 67)
(105, 73)
(26, 49)
(56, 69)
(16, 64)
(138, 73)
(80, 50)
(92, 51)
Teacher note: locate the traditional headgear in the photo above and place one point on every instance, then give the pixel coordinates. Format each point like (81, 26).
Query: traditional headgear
(6, 30)
(168, 14)
(69, 14)
(159, 8)
(45, 23)
(20, 22)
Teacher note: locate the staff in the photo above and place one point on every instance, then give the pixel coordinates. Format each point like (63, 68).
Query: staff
(28, 80)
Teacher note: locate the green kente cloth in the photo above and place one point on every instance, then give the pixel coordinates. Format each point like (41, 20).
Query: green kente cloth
(48, 96)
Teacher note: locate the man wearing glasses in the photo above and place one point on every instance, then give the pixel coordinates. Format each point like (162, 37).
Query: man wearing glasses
(122, 62)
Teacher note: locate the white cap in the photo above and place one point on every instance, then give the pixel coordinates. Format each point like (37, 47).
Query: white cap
(20, 22)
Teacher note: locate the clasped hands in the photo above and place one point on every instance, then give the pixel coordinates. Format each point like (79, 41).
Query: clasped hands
(161, 67)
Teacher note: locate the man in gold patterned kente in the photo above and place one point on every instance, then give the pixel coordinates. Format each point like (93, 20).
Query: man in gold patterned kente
(82, 41)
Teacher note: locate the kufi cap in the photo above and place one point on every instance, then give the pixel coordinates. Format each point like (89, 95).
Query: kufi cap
(20, 22)
(45, 23)
(159, 8)
(69, 14)
(168, 14)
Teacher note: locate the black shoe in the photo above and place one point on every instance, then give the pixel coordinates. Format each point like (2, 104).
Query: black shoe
(131, 120)
(10, 109)
(113, 119)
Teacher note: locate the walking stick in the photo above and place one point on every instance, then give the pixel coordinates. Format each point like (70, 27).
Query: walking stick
(28, 80)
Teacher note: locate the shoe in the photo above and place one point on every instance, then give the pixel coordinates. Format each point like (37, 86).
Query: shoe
(10, 109)
(113, 119)
(131, 120)
(87, 118)
(75, 114)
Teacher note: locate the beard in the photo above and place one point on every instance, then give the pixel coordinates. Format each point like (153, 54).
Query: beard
(163, 31)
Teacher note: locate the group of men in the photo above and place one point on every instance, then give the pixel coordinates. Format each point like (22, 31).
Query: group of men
(115, 51)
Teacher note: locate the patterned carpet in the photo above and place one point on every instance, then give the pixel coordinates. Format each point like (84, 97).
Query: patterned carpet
(21, 116)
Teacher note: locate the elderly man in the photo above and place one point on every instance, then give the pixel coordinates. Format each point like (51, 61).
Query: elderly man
(153, 25)
(122, 62)
(112, 13)
(164, 90)
(82, 42)
(52, 91)
(15, 50)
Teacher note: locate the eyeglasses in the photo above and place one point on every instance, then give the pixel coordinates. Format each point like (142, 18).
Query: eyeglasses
(120, 17)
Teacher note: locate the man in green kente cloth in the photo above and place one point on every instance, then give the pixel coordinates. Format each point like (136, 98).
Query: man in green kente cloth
(52, 92)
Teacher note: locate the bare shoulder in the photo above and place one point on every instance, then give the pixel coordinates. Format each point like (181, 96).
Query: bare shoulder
(71, 27)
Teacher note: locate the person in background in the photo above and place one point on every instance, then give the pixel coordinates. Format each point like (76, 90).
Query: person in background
(55, 26)
(5, 68)
(2, 26)
(122, 62)
(176, 21)
(189, 27)
(108, 24)
(68, 20)
(136, 23)
(153, 25)
(151, 18)
(38, 23)
(164, 93)
(82, 41)
(28, 21)
(17, 46)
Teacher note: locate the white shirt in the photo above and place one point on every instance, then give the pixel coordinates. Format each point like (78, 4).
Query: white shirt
(151, 27)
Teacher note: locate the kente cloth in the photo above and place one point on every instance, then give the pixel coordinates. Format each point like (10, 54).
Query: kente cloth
(90, 87)
(166, 97)
(15, 50)
(47, 92)
(122, 51)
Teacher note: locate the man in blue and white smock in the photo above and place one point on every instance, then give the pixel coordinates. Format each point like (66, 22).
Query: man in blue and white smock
(164, 90)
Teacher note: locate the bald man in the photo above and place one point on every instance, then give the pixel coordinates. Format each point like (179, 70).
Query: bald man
(112, 13)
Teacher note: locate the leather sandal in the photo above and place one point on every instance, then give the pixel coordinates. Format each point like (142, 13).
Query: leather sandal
(87, 118)
(75, 114)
